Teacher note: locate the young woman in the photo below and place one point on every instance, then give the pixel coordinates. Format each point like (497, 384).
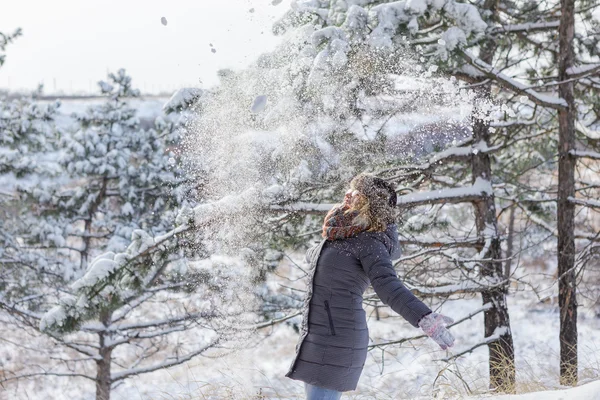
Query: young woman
(360, 241)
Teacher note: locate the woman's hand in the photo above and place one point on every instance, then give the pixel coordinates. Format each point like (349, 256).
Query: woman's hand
(434, 326)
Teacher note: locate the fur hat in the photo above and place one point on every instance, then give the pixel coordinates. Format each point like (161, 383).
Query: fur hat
(380, 195)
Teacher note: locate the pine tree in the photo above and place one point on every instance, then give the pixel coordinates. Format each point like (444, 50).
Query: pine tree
(117, 182)
(26, 144)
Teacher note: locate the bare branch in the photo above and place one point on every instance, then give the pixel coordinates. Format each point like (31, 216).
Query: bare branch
(169, 363)
(490, 339)
(61, 374)
(276, 321)
(466, 317)
(475, 242)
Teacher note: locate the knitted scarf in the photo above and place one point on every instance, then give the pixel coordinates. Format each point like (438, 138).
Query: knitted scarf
(338, 225)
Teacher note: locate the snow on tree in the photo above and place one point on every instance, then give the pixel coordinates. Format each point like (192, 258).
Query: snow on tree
(182, 99)
(121, 180)
(118, 184)
(26, 153)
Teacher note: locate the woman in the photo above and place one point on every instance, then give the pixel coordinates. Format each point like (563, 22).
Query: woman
(360, 240)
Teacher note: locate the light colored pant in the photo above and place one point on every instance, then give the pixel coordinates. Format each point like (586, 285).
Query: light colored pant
(319, 393)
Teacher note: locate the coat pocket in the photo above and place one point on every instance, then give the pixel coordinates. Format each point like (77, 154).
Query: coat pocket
(331, 328)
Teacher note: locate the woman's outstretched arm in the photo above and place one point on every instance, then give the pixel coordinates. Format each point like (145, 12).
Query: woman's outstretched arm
(377, 264)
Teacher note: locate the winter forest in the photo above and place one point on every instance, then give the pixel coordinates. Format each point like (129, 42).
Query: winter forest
(153, 246)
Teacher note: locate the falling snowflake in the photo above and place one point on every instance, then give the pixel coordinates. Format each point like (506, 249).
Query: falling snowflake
(163, 21)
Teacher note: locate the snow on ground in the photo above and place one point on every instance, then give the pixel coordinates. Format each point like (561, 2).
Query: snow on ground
(406, 372)
(589, 391)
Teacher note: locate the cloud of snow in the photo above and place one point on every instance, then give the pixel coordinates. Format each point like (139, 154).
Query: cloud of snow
(307, 112)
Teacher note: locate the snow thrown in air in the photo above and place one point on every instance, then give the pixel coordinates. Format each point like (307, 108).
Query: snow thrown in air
(328, 98)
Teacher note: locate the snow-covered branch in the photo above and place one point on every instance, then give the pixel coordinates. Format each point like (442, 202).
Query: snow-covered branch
(585, 203)
(591, 134)
(516, 122)
(480, 189)
(585, 154)
(528, 27)
(583, 71)
(456, 153)
(493, 73)
(447, 290)
(304, 208)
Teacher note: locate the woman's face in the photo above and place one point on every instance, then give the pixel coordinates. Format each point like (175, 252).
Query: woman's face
(351, 198)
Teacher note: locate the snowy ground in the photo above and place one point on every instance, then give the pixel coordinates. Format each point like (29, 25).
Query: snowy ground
(589, 391)
(407, 372)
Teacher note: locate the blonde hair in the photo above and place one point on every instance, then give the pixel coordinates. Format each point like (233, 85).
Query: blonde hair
(373, 208)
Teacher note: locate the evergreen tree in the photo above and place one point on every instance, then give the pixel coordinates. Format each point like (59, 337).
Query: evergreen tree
(115, 182)
(26, 159)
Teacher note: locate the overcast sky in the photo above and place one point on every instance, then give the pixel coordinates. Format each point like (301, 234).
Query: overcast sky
(70, 44)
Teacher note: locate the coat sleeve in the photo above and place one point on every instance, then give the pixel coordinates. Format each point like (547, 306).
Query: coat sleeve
(377, 264)
(392, 232)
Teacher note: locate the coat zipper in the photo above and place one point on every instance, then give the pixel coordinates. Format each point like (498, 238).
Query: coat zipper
(330, 319)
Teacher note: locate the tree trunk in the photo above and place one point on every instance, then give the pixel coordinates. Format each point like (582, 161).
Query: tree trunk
(103, 381)
(496, 318)
(566, 210)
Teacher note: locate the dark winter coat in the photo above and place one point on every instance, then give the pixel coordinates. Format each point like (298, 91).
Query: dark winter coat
(332, 347)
